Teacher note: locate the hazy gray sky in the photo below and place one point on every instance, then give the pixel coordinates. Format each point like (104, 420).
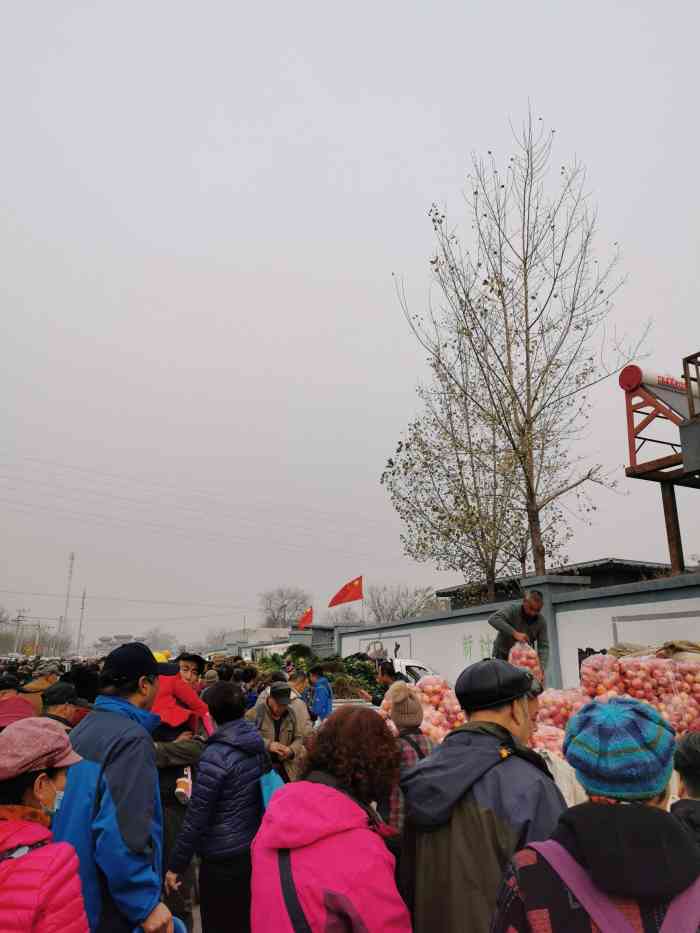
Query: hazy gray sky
(201, 205)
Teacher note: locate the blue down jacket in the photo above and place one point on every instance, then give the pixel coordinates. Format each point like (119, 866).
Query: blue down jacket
(226, 806)
(111, 813)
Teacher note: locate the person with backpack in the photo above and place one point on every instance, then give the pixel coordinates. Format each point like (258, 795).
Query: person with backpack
(223, 815)
(474, 802)
(406, 712)
(619, 863)
(39, 880)
(320, 859)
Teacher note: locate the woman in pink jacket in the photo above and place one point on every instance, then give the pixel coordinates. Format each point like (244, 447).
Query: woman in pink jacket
(39, 882)
(320, 858)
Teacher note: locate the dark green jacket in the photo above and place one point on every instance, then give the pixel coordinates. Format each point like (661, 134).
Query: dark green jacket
(512, 619)
(469, 807)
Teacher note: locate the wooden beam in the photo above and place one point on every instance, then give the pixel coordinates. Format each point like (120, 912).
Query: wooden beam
(661, 463)
(673, 529)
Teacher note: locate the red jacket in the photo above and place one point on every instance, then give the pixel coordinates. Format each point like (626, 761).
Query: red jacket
(177, 701)
(39, 892)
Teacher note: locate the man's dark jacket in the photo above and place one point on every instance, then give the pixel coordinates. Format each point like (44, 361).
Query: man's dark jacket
(469, 807)
(225, 811)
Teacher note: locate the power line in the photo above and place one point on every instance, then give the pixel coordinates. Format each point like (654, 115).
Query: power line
(160, 487)
(294, 526)
(14, 505)
(129, 599)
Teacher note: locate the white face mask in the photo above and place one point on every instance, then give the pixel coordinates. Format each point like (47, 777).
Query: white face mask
(57, 801)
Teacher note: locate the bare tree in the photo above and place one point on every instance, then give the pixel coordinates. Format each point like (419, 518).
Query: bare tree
(454, 482)
(390, 603)
(283, 605)
(530, 304)
(343, 615)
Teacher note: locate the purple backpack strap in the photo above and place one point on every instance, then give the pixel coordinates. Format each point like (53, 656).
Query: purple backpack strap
(596, 904)
(683, 914)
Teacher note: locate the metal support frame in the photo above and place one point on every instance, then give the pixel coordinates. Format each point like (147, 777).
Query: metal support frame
(641, 402)
(643, 408)
(691, 374)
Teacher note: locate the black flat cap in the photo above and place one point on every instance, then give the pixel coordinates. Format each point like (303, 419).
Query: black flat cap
(282, 693)
(129, 662)
(10, 682)
(490, 683)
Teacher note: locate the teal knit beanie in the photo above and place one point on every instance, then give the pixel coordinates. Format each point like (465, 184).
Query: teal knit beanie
(621, 749)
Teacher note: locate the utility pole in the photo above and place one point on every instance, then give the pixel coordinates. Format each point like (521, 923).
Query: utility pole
(80, 626)
(64, 618)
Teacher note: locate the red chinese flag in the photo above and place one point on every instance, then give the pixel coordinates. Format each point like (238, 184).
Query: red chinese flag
(349, 593)
(307, 618)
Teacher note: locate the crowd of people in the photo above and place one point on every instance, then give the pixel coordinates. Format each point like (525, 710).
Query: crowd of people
(132, 789)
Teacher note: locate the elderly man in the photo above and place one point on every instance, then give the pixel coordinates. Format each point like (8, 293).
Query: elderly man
(284, 723)
(481, 796)
(61, 703)
(111, 812)
(521, 622)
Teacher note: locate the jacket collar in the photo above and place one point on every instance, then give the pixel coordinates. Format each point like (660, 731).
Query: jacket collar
(121, 706)
(64, 722)
(28, 814)
(509, 744)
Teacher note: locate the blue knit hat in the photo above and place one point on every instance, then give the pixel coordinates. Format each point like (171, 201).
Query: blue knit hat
(621, 749)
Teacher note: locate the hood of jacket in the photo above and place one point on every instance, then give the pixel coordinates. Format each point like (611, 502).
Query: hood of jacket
(123, 707)
(238, 734)
(630, 850)
(326, 812)
(687, 811)
(437, 784)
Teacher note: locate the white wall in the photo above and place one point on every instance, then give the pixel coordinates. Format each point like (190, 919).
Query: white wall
(446, 647)
(587, 625)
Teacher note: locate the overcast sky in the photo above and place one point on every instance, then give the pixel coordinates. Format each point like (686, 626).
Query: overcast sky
(201, 208)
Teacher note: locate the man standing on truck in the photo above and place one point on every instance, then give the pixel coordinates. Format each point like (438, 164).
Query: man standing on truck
(521, 622)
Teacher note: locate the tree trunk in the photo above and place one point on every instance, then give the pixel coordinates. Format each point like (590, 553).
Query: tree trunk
(538, 555)
(490, 586)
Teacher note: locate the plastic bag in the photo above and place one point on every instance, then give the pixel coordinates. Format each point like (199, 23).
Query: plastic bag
(523, 655)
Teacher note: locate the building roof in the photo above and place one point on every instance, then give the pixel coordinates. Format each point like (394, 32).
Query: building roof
(580, 568)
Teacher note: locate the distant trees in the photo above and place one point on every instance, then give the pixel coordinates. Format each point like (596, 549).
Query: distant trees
(384, 603)
(7, 635)
(345, 614)
(283, 605)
